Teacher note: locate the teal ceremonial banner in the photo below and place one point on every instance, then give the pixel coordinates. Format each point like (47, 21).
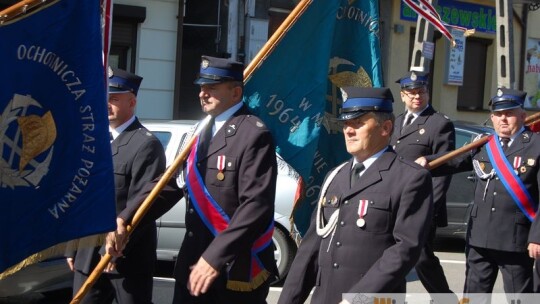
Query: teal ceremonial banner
(334, 43)
(56, 177)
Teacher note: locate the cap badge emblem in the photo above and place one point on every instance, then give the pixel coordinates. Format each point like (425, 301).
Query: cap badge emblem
(205, 63)
(413, 76)
(344, 95)
(110, 72)
(499, 92)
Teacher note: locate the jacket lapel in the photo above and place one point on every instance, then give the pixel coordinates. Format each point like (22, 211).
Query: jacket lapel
(372, 175)
(219, 141)
(124, 137)
(417, 123)
(519, 143)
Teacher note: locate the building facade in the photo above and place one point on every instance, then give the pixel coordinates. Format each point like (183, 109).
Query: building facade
(162, 40)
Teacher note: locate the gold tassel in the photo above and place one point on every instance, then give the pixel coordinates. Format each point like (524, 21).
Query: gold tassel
(249, 286)
(56, 250)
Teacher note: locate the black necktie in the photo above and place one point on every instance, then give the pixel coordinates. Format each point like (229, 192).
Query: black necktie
(205, 138)
(504, 143)
(355, 173)
(408, 121)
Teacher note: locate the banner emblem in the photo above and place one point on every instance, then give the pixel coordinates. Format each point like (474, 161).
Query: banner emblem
(27, 149)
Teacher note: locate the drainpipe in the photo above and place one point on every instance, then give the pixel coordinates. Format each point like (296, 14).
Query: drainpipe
(178, 59)
(232, 29)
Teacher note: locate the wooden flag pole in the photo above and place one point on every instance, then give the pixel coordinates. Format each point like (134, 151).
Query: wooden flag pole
(276, 38)
(143, 209)
(20, 8)
(475, 144)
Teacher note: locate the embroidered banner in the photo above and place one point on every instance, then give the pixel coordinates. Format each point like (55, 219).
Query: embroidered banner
(56, 178)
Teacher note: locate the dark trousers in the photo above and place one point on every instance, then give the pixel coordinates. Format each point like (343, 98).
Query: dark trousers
(482, 268)
(218, 293)
(126, 289)
(536, 275)
(429, 269)
(430, 272)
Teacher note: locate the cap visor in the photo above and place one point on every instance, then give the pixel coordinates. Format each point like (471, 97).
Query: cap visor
(505, 107)
(201, 81)
(115, 90)
(412, 86)
(350, 115)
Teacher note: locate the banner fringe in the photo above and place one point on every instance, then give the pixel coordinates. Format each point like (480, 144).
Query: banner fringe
(56, 250)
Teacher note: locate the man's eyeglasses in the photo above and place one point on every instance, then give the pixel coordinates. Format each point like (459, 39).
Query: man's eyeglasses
(413, 93)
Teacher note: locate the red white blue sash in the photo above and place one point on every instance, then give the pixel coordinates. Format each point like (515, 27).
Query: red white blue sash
(513, 184)
(214, 217)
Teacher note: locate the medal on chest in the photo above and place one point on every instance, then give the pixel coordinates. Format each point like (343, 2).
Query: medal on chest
(362, 211)
(221, 166)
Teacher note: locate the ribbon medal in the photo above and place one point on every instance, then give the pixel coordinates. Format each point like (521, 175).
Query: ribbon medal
(362, 210)
(221, 166)
(516, 164)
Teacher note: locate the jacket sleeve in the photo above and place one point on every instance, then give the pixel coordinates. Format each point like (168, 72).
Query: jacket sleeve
(303, 273)
(444, 143)
(534, 232)
(147, 170)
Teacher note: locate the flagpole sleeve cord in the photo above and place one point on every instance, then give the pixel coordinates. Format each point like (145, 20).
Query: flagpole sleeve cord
(143, 209)
(21, 8)
(531, 119)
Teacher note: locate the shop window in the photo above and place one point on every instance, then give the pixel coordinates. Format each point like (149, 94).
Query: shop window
(471, 93)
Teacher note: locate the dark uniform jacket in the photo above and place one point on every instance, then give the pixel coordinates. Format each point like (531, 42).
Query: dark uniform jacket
(373, 258)
(534, 234)
(138, 158)
(496, 222)
(430, 134)
(246, 194)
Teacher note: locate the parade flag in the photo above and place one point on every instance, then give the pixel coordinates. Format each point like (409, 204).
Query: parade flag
(295, 89)
(56, 177)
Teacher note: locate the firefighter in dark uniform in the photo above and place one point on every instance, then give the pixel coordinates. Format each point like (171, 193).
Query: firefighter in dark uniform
(422, 131)
(370, 223)
(505, 201)
(138, 158)
(229, 182)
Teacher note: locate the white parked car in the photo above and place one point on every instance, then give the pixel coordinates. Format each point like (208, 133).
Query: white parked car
(171, 226)
(53, 274)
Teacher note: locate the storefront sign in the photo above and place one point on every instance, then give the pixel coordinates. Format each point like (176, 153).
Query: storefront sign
(464, 14)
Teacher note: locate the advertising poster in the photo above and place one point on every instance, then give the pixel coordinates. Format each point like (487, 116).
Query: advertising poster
(531, 83)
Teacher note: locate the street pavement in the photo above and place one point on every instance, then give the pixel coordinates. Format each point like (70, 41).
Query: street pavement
(449, 251)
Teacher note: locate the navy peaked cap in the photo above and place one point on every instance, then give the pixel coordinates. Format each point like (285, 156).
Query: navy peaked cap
(413, 80)
(507, 99)
(359, 101)
(121, 81)
(216, 70)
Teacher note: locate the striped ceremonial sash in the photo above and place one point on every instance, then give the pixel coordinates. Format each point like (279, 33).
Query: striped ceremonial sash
(216, 220)
(513, 184)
